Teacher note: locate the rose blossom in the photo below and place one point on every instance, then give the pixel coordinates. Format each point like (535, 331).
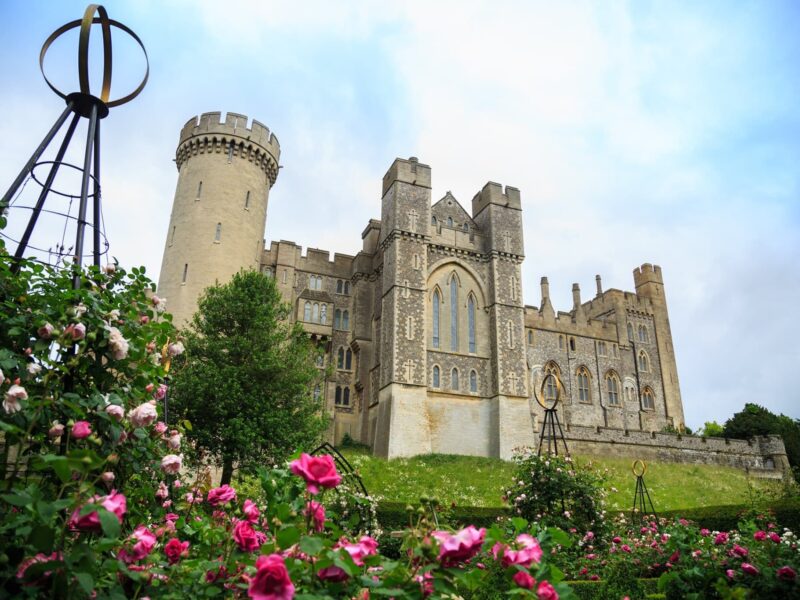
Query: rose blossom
(461, 546)
(245, 536)
(115, 411)
(175, 349)
(115, 502)
(77, 331)
(221, 495)
(271, 581)
(174, 440)
(13, 395)
(171, 463)
(774, 537)
(45, 331)
(739, 551)
(529, 552)
(721, 538)
(358, 551)
(318, 471)
(162, 493)
(110, 268)
(704, 532)
(160, 304)
(39, 558)
(524, 580)
(760, 536)
(144, 543)
(108, 476)
(161, 392)
(317, 513)
(34, 369)
(160, 427)
(56, 430)
(175, 549)
(546, 591)
(117, 343)
(786, 573)
(730, 573)
(250, 510)
(749, 569)
(81, 430)
(144, 414)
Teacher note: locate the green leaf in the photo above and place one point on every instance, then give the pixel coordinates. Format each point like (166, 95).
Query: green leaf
(17, 499)
(519, 523)
(86, 582)
(109, 522)
(41, 538)
(311, 545)
(559, 537)
(288, 536)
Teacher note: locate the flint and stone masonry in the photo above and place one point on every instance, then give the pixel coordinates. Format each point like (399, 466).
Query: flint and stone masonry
(427, 344)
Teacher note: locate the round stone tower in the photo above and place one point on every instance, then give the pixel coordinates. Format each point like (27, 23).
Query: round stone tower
(225, 172)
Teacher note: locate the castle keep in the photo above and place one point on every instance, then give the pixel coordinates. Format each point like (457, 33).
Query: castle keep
(430, 344)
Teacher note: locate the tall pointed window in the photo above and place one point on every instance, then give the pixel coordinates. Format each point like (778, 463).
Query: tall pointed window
(473, 381)
(346, 397)
(436, 376)
(323, 314)
(630, 332)
(552, 375)
(307, 312)
(454, 378)
(348, 361)
(338, 398)
(471, 323)
(437, 301)
(643, 337)
(340, 359)
(584, 391)
(346, 320)
(449, 221)
(612, 386)
(453, 313)
(644, 363)
(337, 318)
(647, 399)
(315, 312)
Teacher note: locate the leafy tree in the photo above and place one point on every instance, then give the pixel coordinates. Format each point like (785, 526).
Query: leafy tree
(712, 429)
(757, 420)
(244, 382)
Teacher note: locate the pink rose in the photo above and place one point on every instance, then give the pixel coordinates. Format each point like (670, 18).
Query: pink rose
(705, 532)
(171, 463)
(115, 411)
(144, 319)
(114, 502)
(245, 536)
(175, 349)
(161, 392)
(149, 387)
(625, 548)
(786, 573)
(108, 476)
(13, 395)
(45, 331)
(160, 427)
(333, 574)
(529, 552)
(39, 558)
(616, 539)
(730, 573)
(221, 495)
(749, 569)
(144, 414)
(250, 510)
(721, 538)
(524, 580)
(739, 551)
(271, 581)
(56, 430)
(143, 543)
(317, 513)
(77, 331)
(366, 546)
(162, 493)
(318, 471)
(774, 537)
(174, 440)
(760, 536)
(175, 549)
(81, 430)
(461, 546)
(545, 591)
(117, 344)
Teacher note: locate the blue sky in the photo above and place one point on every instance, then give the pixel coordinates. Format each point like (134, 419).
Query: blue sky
(663, 132)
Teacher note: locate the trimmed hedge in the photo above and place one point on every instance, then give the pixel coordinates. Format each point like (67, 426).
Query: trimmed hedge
(591, 590)
(393, 516)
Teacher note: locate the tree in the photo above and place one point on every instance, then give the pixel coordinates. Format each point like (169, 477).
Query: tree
(757, 420)
(712, 429)
(244, 382)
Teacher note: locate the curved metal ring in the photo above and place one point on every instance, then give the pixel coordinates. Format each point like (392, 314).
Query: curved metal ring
(540, 394)
(83, 54)
(643, 466)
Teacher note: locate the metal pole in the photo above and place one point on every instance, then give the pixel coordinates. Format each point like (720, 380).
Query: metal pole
(87, 161)
(23, 243)
(36, 154)
(96, 212)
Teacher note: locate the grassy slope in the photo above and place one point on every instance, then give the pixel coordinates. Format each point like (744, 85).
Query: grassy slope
(474, 481)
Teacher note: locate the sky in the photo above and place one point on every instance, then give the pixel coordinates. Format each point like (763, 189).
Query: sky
(637, 132)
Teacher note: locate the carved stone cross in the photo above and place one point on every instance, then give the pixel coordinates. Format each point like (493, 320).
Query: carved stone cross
(409, 365)
(507, 241)
(513, 378)
(412, 219)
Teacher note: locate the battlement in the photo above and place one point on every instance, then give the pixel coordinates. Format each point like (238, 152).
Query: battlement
(647, 273)
(234, 125)
(493, 193)
(407, 171)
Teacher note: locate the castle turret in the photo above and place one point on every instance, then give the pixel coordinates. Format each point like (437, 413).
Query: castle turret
(650, 284)
(225, 172)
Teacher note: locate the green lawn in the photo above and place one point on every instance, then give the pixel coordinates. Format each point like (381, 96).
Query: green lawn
(474, 481)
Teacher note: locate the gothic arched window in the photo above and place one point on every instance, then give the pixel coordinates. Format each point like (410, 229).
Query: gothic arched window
(454, 378)
(340, 359)
(473, 381)
(337, 318)
(437, 300)
(648, 403)
(584, 391)
(436, 376)
(307, 312)
(323, 314)
(612, 386)
(630, 332)
(453, 313)
(317, 392)
(339, 286)
(449, 221)
(552, 375)
(338, 398)
(315, 312)
(346, 397)
(471, 323)
(643, 337)
(348, 361)
(346, 320)
(644, 363)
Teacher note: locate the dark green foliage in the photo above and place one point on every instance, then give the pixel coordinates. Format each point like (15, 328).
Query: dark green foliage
(591, 590)
(244, 382)
(757, 420)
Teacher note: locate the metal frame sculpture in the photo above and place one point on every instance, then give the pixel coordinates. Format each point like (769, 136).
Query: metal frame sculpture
(81, 104)
(551, 426)
(640, 495)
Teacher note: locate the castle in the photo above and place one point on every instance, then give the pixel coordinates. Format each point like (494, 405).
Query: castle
(430, 344)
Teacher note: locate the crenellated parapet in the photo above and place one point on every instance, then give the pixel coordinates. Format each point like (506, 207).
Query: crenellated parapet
(232, 138)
